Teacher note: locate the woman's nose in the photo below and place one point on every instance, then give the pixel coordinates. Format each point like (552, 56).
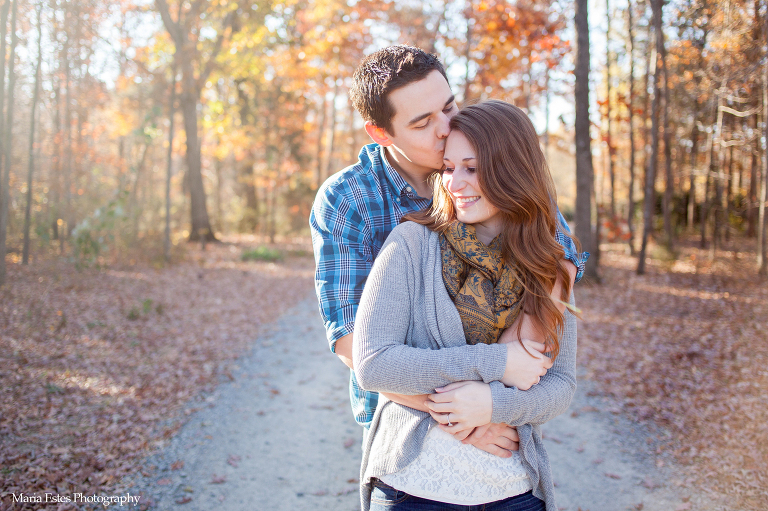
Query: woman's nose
(453, 181)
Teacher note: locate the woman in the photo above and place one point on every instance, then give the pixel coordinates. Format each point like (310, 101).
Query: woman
(481, 260)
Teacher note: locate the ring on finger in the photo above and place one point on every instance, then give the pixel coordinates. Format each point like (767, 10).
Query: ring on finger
(449, 421)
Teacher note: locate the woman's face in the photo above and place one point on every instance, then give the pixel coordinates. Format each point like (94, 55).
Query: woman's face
(460, 180)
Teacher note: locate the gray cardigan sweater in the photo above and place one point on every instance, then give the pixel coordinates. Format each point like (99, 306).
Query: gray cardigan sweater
(405, 317)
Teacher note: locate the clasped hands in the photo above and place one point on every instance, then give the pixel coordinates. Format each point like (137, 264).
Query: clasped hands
(464, 409)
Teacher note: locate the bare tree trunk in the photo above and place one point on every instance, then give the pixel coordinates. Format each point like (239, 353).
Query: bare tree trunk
(697, 107)
(351, 139)
(717, 176)
(584, 170)
(729, 191)
(218, 166)
(4, 10)
(169, 170)
(692, 177)
(319, 153)
(649, 57)
(56, 189)
(546, 115)
(35, 95)
(650, 173)
(5, 168)
(179, 30)
(133, 198)
(250, 220)
(661, 50)
(706, 205)
(201, 224)
(65, 227)
(468, 59)
(332, 138)
(631, 198)
(762, 244)
(752, 194)
(609, 141)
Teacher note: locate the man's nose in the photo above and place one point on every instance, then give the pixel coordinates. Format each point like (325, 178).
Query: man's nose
(443, 126)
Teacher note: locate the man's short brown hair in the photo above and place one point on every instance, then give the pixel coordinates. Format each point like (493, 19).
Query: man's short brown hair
(384, 71)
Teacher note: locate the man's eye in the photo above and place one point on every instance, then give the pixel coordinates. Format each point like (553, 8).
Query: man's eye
(422, 126)
(448, 109)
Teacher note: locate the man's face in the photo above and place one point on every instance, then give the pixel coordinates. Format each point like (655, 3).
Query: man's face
(420, 125)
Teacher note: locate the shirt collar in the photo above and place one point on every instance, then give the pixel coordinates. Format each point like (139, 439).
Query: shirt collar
(395, 179)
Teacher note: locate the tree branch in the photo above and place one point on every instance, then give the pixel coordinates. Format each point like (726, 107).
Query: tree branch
(195, 10)
(737, 113)
(173, 27)
(206, 71)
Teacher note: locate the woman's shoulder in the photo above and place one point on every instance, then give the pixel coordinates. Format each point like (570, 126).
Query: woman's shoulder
(412, 234)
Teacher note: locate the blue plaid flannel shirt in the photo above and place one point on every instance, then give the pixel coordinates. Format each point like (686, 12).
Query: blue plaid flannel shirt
(354, 212)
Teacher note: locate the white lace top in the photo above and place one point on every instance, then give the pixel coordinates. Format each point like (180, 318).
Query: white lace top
(448, 471)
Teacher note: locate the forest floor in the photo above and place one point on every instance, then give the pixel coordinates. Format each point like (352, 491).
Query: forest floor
(685, 347)
(101, 367)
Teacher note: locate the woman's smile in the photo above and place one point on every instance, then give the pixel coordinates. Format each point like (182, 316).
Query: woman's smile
(465, 202)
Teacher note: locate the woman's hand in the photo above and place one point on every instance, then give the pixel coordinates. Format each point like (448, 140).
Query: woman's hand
(524, 369)
(464, 405)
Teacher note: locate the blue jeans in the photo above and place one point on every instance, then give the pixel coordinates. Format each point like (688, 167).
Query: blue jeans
(386, 498)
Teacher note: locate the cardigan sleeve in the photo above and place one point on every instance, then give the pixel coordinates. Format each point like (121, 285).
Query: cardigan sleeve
(551, 396)
(382, 360)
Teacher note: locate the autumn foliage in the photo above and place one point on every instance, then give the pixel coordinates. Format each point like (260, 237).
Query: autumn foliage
(159, 122)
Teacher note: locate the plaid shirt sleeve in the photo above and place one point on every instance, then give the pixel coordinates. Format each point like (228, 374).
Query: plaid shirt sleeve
(563, 236)
(343, 261)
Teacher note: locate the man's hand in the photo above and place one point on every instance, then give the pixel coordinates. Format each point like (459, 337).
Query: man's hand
(524, 369)
(496, 439)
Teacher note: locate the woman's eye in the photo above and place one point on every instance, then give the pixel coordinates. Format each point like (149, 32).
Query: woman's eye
(447, 170)
(471, 170)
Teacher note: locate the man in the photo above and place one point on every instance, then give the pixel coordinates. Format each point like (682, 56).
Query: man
(403, 95)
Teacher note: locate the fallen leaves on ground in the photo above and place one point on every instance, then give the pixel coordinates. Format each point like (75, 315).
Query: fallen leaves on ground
(685, 346)
(98, 364)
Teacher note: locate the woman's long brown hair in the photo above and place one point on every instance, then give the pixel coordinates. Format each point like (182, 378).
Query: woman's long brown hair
(513, 175)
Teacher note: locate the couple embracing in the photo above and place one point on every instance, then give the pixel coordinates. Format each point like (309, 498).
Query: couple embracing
(444, 273)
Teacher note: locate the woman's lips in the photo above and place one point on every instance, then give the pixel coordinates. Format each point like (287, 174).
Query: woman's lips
(465, 202)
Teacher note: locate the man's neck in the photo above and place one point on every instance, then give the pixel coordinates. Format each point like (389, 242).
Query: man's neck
(418, 181)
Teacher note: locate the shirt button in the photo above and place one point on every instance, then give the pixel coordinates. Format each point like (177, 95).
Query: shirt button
(398, 199)
(408, 189)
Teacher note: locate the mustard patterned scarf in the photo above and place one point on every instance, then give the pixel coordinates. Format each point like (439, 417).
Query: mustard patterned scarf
(484, 288)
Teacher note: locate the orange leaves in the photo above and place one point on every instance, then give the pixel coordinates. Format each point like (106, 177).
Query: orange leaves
(514, 44)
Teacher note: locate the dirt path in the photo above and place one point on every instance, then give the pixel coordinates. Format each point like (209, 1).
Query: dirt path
(280, 436)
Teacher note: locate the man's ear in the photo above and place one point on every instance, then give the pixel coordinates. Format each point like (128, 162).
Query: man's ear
(377, 134)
